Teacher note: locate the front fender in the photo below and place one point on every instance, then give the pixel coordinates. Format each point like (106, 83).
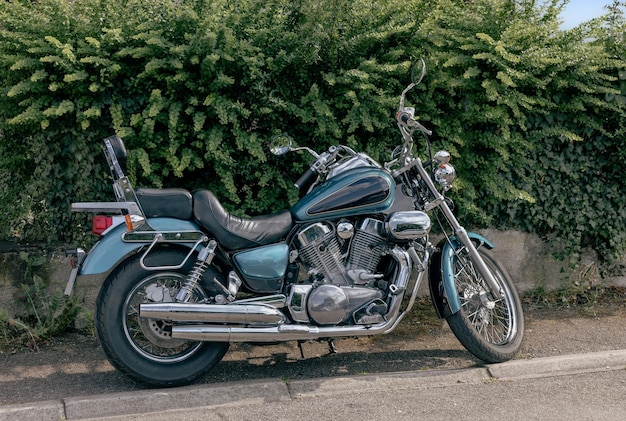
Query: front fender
(111, 249)
(441, 275)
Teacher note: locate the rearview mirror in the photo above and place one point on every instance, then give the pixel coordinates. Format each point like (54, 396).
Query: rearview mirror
(418, 70)
(280, 145)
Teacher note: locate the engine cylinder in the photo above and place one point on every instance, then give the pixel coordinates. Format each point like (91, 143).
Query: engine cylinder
(320, 250)
(367, 246)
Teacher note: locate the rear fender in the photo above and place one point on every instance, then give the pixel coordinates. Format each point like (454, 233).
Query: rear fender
(112, 250)
(441, 275)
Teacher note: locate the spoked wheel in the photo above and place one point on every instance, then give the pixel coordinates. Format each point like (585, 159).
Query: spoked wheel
(491, 329)
(143, 348)
(152, 338)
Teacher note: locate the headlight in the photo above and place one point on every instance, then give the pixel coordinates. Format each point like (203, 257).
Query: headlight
(445, 175)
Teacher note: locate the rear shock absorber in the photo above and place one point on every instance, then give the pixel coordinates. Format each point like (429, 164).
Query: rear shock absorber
(205, 257)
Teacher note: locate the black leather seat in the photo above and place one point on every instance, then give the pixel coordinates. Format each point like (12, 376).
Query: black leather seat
(234, 232)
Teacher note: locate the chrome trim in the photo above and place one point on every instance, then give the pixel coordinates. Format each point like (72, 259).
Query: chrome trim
(277, 301)
(407, 225)
(159, 238)
(131, 207)
(79, 255)
(162, 236)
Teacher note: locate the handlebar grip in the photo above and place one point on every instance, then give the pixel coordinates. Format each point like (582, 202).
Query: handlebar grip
(408, 120)
(306, 180)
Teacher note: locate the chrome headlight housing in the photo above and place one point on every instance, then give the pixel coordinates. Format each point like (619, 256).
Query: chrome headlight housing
(445, 173)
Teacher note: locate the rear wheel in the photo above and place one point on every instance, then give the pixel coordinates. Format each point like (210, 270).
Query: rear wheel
(490, 329)
(144, 348)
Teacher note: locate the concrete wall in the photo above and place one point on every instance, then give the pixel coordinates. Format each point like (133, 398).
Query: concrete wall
(527, 258)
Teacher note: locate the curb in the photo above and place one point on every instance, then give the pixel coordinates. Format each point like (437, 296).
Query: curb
(258, 392)
(559, 365)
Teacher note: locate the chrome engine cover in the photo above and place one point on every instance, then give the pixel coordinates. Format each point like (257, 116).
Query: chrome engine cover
(332, 304)
(328, 304)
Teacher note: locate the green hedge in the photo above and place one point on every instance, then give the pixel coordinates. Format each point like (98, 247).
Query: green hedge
(535, 113)
(532, 115)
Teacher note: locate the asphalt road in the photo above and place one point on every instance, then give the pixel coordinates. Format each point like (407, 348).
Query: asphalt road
(588, 396)
(574, 387)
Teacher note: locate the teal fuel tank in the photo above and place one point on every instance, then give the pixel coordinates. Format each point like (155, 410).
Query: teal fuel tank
(359, 191)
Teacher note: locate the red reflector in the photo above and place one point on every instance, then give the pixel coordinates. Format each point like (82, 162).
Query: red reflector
(100, 223)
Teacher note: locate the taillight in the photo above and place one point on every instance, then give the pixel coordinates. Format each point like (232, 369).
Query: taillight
(101, 223)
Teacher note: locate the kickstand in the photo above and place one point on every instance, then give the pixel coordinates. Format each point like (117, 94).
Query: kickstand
(332, 349)
(300, 348)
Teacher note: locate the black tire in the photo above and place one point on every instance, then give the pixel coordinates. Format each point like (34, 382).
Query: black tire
(491, 330)
(143, 348)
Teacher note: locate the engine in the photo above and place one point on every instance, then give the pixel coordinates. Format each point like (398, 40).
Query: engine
(341, 262)
(321, 252)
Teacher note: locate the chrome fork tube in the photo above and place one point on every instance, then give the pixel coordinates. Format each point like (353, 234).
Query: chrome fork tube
(460, 232)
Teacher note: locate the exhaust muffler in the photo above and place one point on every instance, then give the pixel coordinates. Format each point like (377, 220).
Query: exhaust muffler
(262, 314)
(282, 332)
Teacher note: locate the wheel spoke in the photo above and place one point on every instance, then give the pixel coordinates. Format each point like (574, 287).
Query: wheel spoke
(491, 319)
(132, 312)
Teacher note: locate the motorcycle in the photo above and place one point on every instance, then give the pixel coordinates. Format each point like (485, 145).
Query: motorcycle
(185, 278)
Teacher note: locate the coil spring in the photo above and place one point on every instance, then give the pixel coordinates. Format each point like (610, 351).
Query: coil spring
(205, 257)
(186, 291)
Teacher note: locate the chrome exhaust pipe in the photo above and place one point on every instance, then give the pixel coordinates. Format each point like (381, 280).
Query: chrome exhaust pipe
(283, 332)
(290, 332)
(213, 313)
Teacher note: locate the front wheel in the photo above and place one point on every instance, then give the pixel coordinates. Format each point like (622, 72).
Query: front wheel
(144, 348)
(491, 330)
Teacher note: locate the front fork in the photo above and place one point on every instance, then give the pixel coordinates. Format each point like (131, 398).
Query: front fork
(459, 232)
(476, 258)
